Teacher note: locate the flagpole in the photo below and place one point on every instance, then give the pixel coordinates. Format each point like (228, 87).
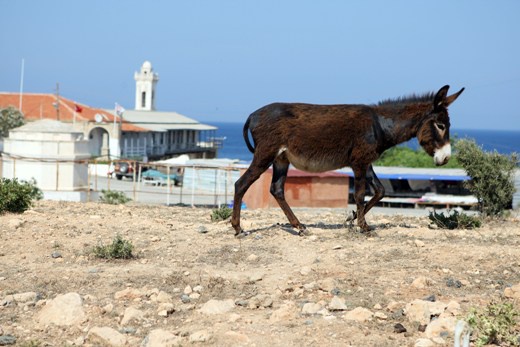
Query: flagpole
(21, 84)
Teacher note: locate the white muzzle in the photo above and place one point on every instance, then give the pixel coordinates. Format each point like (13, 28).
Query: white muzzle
(442, 155)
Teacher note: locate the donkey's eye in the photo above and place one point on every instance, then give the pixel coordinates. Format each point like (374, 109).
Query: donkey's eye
(440, 126)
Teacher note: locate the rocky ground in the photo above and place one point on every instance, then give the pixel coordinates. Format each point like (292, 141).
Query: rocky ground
(193, 282)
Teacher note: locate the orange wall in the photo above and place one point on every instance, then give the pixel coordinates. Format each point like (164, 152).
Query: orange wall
(301, 190)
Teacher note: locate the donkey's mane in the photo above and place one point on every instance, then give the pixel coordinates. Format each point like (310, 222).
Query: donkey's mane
(409, 99)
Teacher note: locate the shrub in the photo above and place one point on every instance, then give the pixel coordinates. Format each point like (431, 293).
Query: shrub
(492, 176)
(17, 196)
(221, 213)
(119, 249)
(113, 197)
(455, 220)
(495, 324)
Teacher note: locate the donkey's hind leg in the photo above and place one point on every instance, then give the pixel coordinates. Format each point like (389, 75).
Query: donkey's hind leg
(280, 168)
(257, 167)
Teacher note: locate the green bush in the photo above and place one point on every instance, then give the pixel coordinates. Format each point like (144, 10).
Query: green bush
(119, 249)
(495, 324)
(492, 176)
(221, 213)
(455, 220)
(17, 196)
(403, 156)
(113, 197)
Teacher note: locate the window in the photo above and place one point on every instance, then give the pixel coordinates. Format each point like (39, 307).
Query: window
(143, 99)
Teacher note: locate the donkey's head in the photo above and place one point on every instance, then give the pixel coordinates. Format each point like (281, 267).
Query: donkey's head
(434, 131)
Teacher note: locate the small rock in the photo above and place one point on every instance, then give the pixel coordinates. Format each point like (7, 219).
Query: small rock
(198, 289)
(165, 309)
(287, 312)
(160, 338)
(128, 294)
(106, 336)
(202, 229)
(450, 282)
(234, 338)
(418, 311)
(337, 247)
(253, 258)
(163, 297)
(327, 284)
(441, 328)
(132, 314)
(6, 340)
(185, 298)
(194, 296)
(311, 308)
(188, 290)
(108, 308)
(337, 304)
(15, 223)
(256, 277)
(56, 254)
(399, 328)
(380, 315)
(512, 292)
(422, 282)
(430, 298)
(64, 310)
(200, 336)
(359, 314)
(422, 342)
(419, 243)
(260, 300)
(304, 271)
(217, 306)
(25, 297)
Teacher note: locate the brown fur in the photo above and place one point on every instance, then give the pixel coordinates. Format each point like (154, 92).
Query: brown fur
(319, 138)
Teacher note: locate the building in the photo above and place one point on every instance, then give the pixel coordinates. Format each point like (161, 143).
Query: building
(143, 133)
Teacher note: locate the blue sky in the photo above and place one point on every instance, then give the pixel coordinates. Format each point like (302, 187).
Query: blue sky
(221, 60)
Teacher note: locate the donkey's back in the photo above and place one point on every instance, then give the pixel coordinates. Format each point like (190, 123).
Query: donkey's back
(314, 138)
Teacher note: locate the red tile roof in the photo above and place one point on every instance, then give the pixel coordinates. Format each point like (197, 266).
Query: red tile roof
(39, 106)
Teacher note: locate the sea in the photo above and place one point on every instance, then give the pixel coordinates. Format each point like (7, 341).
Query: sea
(503, 141)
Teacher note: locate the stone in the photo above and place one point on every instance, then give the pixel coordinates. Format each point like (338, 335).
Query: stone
(327, 284)
(188, 290)
(198, 289)
(106, 336)
(304, 271)
(165, 309)
(162, 338)
(441, 328)
(422, 342)
(359, 314)
(419, 243)
(512, 292)
(418, 311)
(217, 306)
(422, 282)
(253, 258)
(200, 336)
(163, 297)
(337, 304)
(287, 312)
(6, 340)
(437, 307)
(185, 298)
(311, 308)
(108, 308)
(202, 229)
(256, 277)
(260, 300)
(132, 314)
(128, 294)
(399, 328)
(64, 310)
(25, 297)
(380, 315)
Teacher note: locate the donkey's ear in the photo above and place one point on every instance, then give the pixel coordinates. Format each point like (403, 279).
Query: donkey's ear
(440, 97)
(452, 97)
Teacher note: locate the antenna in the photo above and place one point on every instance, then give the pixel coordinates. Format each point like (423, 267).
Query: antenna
(21, 85)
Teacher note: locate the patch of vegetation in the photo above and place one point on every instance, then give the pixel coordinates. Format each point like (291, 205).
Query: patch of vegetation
(495, 324)
(18, 196)
(119, 249)
(492, 176)
(113, 197)
(10, 118)
(404, 156)
(221, 213)
(455, 220)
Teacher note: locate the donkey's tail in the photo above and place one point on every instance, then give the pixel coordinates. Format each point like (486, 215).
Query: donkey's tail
(246, 135)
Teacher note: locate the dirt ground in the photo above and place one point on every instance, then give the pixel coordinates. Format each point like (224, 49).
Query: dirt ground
(271, 275)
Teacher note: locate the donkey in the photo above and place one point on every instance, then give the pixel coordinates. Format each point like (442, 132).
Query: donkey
(318, 138)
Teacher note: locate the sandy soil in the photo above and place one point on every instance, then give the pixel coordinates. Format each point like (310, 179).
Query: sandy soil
(270, 275)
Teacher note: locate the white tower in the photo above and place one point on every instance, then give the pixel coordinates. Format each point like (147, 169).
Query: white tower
(145, 82)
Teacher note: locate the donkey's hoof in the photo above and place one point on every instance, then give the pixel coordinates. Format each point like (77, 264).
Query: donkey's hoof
(351, 215)
(242, 234)
(303, 231)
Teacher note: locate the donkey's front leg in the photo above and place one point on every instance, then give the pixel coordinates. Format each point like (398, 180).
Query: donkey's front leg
(359, 197)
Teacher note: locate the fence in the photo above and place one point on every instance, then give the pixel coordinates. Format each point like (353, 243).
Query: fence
(180, 184)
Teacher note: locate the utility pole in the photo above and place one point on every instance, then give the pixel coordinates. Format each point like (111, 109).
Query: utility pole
(57, 101)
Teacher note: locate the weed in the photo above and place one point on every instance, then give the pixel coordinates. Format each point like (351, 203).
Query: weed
(119, 249)
(221, 213)
(113, 197)
(455, 220)
(495, 324)
(17, 196)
